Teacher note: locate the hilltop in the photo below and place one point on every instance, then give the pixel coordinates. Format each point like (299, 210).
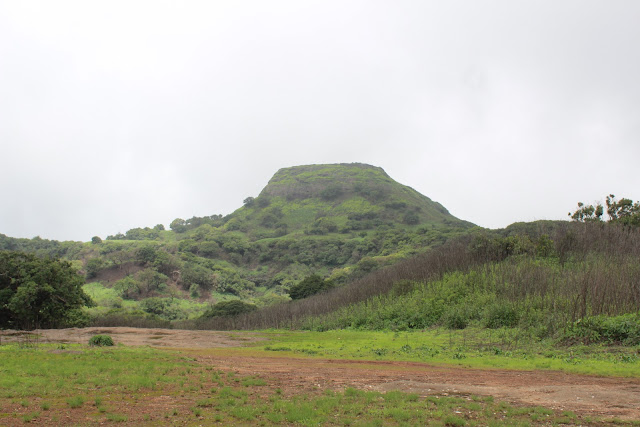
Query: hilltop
(321, 199)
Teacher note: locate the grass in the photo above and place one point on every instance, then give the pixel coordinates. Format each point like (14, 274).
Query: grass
(80, 370)
(506, 348)
(135, 381)
(118, 418)
(75, 401)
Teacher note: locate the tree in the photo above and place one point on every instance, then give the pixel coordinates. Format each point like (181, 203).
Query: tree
(150, 280)
(93, 266)
(308, 286)
(96, 240)
(587, 213)
(229, 308)
(178, 225)
(146, 254)
(128, 287)
(249, 201)
(38, 292)
(623, 211)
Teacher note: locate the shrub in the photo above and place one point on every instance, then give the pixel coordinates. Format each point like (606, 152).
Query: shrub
(624, 329)
(229, 308)
(456, 319)
(100, 341)
(310, 285)
(500, 315)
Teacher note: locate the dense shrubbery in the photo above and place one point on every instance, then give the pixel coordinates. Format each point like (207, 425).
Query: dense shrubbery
(623, 329)
(544, 278)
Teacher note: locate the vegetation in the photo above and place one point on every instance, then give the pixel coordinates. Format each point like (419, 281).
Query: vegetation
(229, 308)
(515, 278)
(101, 341)
(89, 385)
(339, 222)
(472, 347)
(39, 292)
(623, 211)
(368, 268)
(345, 246)
(309, 286)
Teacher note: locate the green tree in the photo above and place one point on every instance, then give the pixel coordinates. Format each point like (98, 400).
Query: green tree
(150, 280)
(587, 213)
(128, 287)
(178, 225)
(146, 254)
(96, 240)
(38, 292)
(624, 211)
(229, 308)
(308, 286)
(94, 265)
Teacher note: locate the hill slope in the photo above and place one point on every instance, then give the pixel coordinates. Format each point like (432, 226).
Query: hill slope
(321, 199)
(339, 221)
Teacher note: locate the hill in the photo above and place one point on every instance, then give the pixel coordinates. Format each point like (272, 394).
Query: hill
(339, 221)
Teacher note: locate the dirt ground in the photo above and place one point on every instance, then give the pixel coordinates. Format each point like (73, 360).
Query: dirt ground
(585, 395)
(138, 336)
(582, 394)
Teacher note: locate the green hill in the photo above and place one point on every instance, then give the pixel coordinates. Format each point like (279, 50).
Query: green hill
(338, 221)
(323, 199)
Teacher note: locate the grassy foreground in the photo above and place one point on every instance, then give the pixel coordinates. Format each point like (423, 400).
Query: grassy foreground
(81, 385)
(505, 348)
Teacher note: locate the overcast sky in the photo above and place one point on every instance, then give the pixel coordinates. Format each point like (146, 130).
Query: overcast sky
(125, 114)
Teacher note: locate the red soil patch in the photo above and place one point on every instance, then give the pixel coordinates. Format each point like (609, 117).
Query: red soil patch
(582, 394)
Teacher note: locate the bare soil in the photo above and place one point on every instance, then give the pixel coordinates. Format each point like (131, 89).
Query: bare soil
(173, 338)
(582, 394)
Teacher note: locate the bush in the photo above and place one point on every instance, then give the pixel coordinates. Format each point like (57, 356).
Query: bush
(100, 341)
(310, 285)
(229, 308)
(624, 329)
(456, 319)
(499, 315)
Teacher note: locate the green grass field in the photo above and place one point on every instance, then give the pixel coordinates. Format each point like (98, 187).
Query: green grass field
(473, 347)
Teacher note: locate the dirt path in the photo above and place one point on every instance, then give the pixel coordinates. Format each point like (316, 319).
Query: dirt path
(586, 395)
